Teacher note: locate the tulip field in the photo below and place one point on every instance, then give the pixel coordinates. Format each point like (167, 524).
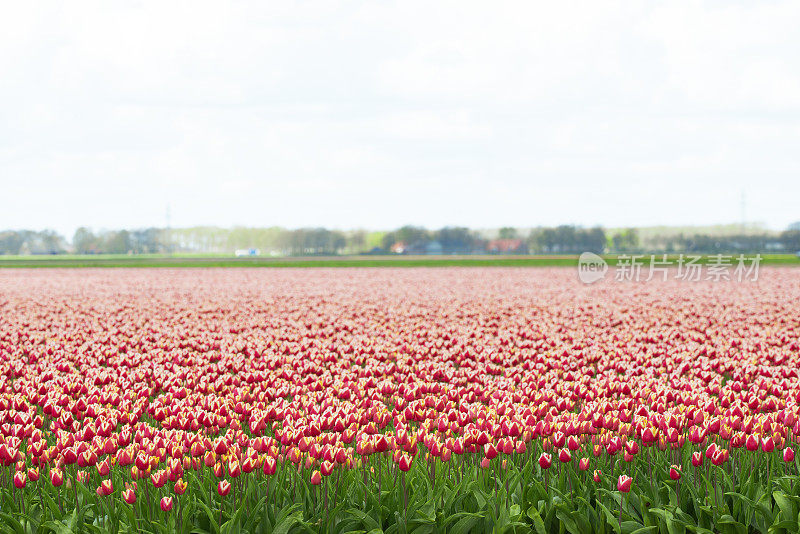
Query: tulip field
(405, 401)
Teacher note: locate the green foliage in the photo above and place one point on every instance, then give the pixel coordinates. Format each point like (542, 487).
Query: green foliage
(513, 494)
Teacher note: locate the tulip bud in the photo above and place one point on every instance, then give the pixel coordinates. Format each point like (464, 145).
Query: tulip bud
(674, 472)
(56, 477)
(269, 465)
(404, 463)
(545, 461)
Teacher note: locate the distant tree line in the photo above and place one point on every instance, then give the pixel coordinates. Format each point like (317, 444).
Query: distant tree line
(31, 242)
(565, 239)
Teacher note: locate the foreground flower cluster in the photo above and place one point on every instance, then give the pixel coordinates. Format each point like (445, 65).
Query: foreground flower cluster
(420, 400)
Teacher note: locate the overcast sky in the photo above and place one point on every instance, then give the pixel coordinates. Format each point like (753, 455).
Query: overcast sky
(376, 114)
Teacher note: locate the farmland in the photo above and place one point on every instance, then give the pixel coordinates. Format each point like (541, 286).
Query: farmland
(454, 399)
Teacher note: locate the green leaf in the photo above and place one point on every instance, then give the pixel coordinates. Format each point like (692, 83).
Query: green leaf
(464, 525)
(786, 505)
(538, 524)
(13, 523)
(564, 516)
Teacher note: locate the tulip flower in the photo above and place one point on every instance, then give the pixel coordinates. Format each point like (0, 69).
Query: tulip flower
(270, 465)
(697, 459)
(166, 504)
(180, 487)
(624, 484)
(129, 496)
(674, 472)
(545, 460)
(788, 454)
(404, 463)
(19, 480)
(33, 474)
(596, 475)
(316, 478)
(564, 456)
(56, 477)
(223, 488)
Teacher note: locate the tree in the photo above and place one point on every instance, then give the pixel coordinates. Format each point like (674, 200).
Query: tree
(791, 240)
(117, 242)
(455, 240)
(10, 242)
(84, 241)
(508, 232)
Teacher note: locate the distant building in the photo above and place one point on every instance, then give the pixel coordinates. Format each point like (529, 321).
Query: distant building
(506, 246)
(247, 252)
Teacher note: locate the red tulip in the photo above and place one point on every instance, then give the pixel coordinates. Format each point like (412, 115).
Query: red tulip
(270, 465)
(404, 463)
(624, 484)
(166, 503)
(573, 443)
(788, 454)
(545, 461)
(564, 456)
(33, 474)
(596, 475)
(490, 451)
(674, 472)
(583, 464)
(129, 496)
(234, 469)
(326, 468)
(103, 468)
(223, 488)
(316, 478)
(20, 480)
(105, 488)
(180, 487)
(697, 459)
(56, 477)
